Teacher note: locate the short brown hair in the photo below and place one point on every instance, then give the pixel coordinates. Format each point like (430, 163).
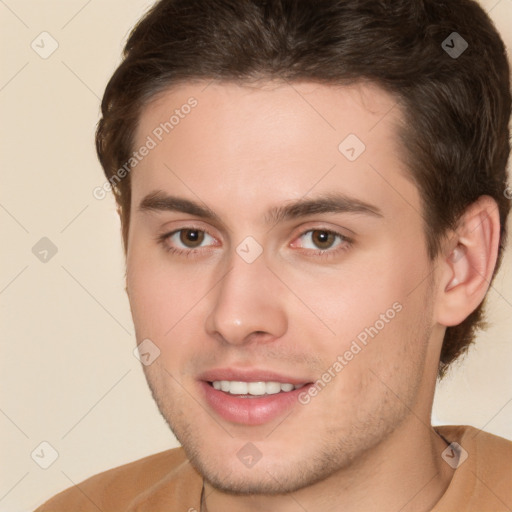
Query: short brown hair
(457, 107)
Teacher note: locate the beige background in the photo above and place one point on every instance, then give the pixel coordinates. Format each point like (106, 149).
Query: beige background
(69, 376)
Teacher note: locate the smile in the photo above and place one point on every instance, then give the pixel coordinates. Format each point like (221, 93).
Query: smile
(250, 396)
(250, 389)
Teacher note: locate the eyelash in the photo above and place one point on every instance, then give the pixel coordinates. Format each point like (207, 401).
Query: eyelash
(345, 244)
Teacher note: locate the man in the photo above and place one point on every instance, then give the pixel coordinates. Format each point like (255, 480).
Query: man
(313, 201)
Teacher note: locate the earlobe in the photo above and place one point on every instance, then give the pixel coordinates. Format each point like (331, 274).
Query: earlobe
(467, 270)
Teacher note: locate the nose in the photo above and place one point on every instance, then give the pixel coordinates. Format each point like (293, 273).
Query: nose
(248, 304)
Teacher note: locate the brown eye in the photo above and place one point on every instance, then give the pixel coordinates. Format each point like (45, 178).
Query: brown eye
(187, 241)
(323, 239)
(323, 242)
(191, 238)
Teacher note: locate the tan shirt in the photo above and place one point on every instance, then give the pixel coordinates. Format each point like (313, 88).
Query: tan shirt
(167, 482)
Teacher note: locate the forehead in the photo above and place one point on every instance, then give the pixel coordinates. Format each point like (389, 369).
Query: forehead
(275, 139)
(258, 108)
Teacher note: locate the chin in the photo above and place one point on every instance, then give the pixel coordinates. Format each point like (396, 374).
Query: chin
(274, 474)
(275, 478)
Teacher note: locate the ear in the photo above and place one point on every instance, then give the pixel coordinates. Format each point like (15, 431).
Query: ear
(467, 262)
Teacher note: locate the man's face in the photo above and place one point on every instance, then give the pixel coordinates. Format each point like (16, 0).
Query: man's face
(252, 302)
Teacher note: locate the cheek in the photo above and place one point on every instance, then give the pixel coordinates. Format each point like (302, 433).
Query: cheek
(159, 314)
(157, 295)
(355, 297)
(379, 316)
(166, 303)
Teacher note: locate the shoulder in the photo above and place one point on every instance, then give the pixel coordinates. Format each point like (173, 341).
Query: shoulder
(487, 449)
(482, 477)
(123, 487)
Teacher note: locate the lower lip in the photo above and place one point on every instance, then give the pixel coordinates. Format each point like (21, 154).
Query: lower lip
(250, 411)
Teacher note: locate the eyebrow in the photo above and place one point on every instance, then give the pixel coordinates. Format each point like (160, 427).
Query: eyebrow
(327, 203)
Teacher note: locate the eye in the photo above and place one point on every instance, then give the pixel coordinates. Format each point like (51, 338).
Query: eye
(191, 241)
(322, 241)
(185, 240)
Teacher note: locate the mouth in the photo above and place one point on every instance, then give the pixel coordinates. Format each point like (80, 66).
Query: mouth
(253, 389)
(250, 397)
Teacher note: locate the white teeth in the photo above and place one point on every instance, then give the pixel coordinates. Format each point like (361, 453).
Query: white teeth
(234, 387)
(273, 387)
(238, 388)
(256, 388)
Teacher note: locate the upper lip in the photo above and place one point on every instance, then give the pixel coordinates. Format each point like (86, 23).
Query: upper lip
(249, 375)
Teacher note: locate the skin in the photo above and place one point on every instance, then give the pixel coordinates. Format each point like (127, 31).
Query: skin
(365, 442)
